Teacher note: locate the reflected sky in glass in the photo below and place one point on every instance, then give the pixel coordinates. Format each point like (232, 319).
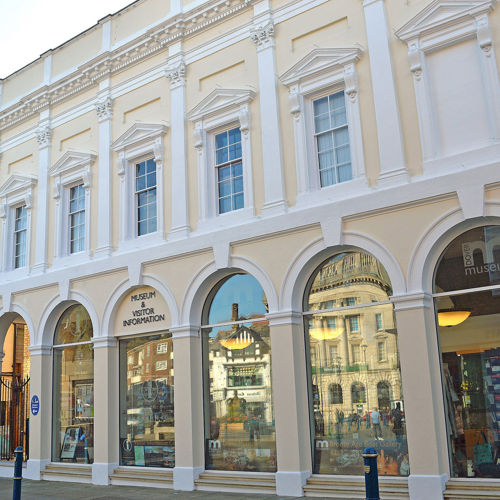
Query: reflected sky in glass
(241, 289)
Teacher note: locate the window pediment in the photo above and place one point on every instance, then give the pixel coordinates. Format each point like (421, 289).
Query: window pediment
(16, 184)
(72, 161)
(139, 134)
(220, 100)
(319, 61)
(445, 16)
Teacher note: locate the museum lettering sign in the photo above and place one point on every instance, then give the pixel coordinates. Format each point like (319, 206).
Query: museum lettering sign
(142, 310)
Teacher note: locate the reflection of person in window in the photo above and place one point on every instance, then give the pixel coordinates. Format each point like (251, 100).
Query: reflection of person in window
(397, 422)
(214, 428)
(253, 428)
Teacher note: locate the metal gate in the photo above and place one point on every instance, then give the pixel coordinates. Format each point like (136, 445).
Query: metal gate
(14, 415)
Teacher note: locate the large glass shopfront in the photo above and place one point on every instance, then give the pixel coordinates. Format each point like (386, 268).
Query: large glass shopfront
(467, 303)
(73, 388)
(239, 419)
(356, 396)
(147, 401)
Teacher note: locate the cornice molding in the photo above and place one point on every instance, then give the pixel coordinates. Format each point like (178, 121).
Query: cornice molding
(443, 21)
(147, 44)
(138, 134)
(319, 61)
(17, 184)
(70, 161)
(220, 100)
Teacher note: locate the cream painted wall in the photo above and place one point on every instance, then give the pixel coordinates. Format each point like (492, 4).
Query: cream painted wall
(36, 301)
(178, 272)
(82, 48)
(136, 17)
(22, 82)
(264, 251)
(393, 229)
(99, 290)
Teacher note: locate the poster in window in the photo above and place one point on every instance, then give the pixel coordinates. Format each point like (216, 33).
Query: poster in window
(71, 436)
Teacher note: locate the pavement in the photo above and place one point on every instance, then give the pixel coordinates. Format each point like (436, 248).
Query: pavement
(54, 490)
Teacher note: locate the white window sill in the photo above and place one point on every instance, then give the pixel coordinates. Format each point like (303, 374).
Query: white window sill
(71, 259)
(141, 242)
(336, 192)
(485, 155)
(15, 274)
(229, 219)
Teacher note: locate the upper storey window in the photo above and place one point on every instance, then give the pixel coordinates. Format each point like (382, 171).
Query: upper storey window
(77, 219)
(327, 125)
(140, 167)
(72, 175)
(228, 160)
(20, 231)
(145, 192)
(332, 139)
(16, 196)
(222, 138)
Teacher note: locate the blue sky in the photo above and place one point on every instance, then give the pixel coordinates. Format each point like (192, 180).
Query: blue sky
(29, 28)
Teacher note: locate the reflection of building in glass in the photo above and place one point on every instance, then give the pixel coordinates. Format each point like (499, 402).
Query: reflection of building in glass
(355, 376)
(147, 425)
(240, 371)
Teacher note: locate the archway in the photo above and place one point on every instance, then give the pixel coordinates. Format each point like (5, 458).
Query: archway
(14, 386)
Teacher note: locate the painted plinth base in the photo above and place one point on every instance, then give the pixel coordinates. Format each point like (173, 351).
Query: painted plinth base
(101, 472)
(426, 487)
(290, 484)
(184, 477)
(34, 469)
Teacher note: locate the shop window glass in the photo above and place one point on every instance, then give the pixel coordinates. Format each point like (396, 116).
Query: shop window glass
(239, 419)
(469, 341)
(343, 425)
(147, 401)
(73, 392)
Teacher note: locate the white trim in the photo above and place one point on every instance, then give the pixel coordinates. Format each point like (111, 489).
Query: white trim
(322, 72)
(140, 142)
(441, 24)
(389, 131)
(16, 191)
(72, 169)
(222, 108)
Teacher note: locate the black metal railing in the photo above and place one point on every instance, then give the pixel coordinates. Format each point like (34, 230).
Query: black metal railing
(14, 416)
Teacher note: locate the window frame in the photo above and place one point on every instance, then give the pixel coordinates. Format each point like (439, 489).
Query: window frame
(320, 73)
(141, 141)
(137, 192)
(72, 169)
(220, 111)
(17, 191)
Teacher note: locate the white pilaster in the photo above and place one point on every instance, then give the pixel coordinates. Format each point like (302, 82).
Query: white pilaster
(188, 407)
(290, 400)
(104, 221)
(44, 133)
(262, 34)
(390, 136)
(176, 72)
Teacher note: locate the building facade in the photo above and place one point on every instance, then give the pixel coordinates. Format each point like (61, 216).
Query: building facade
(246, 239)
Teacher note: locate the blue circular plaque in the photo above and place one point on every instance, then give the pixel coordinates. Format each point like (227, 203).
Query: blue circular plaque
(35, 405)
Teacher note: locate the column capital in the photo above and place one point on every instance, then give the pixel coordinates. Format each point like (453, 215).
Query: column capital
(414, 300)
(100, 342)
(40, 350)
(177, 75)
(104, 109)
(263, 35)
(284, 318)
(183, 331)
(43, 135)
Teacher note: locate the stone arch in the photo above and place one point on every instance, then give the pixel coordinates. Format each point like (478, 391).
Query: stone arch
(123, 288)
(9, 316)
(53, 311)
(311, 256)
(208, 276)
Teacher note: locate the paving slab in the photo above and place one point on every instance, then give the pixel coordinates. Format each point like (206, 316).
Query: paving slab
(56, 490)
